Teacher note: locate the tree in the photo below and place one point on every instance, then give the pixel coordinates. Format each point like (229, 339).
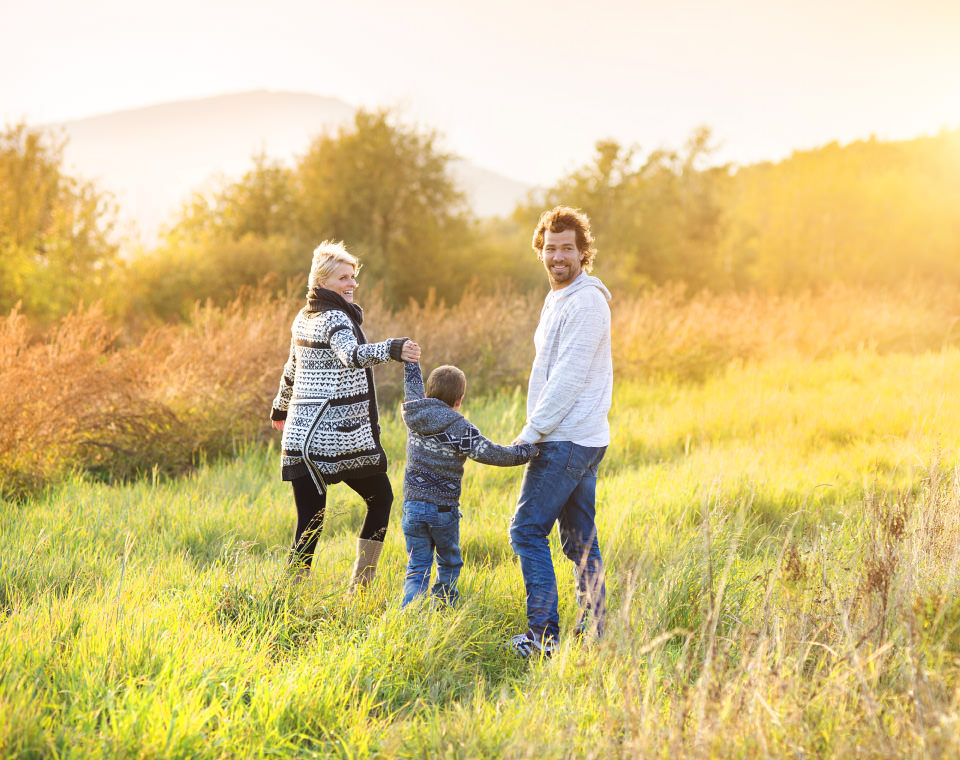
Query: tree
(261, 204)
(238, 238)
(382, 187)
(870, 213)
(55, 230)
(386, 189)
(655, 219)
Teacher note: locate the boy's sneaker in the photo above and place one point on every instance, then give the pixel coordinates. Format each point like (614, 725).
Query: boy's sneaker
(588, 629)
(444, 596)
(526, 645)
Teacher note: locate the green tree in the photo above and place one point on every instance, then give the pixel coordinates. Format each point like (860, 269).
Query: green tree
(167, 282)
(386, 189)
(239, 237)
(261, 204)
(870, 213)
(55, 230)
(656, 219)
(383, 187)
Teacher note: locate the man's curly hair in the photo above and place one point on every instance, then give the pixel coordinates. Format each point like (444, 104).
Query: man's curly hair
(560, 219)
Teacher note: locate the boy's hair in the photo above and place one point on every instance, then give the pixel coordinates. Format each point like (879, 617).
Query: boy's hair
(447, 383)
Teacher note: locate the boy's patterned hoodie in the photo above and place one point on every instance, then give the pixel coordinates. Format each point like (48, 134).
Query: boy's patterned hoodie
(439, 441)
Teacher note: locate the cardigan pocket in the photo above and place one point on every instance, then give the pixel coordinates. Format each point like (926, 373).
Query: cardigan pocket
(350, 427)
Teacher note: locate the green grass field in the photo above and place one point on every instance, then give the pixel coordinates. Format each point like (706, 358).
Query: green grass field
(782, 544)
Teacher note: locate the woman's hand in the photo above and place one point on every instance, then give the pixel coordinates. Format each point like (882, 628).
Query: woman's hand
(278, 425)
(410, 351)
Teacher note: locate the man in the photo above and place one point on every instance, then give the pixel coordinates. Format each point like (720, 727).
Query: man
(568, 399)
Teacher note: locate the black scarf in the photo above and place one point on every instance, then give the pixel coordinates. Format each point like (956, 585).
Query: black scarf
(324, 299)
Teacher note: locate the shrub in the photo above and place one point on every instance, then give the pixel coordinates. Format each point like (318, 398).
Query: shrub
(81, 397)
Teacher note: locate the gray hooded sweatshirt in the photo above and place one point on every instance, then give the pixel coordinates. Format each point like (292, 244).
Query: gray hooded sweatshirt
(571, 382)
(439, 440)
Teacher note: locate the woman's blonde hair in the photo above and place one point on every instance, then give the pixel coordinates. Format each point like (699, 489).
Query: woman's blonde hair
(326, 258)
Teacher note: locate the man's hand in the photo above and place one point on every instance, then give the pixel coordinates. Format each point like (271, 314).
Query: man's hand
(278, 425)
(410, 351)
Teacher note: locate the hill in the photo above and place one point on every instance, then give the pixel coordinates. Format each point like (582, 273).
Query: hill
(151, 158)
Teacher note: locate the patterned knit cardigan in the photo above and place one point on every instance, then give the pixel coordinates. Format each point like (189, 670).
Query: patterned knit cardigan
(327, 396)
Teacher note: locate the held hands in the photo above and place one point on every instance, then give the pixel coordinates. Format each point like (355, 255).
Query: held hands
(410, 351)
(518, 441)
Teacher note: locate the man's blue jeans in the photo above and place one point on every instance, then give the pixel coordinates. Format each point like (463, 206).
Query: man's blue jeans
(426, 529)
(559, 486)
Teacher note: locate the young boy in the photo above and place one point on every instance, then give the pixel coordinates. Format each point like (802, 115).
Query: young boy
(439, 440)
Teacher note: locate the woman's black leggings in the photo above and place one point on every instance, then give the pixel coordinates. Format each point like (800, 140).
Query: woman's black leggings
(311, 506)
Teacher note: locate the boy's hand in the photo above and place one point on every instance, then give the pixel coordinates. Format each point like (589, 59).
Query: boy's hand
(410, 352)
(518, 440)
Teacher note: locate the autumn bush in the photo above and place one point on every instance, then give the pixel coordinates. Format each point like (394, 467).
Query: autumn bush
(667, 332)
(489, 337)
(85, 396)
(77, 399)
(80, 398)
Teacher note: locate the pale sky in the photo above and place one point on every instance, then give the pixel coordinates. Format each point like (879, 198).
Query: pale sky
(524, 87)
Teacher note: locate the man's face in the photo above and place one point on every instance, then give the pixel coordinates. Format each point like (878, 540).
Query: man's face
(561, 258)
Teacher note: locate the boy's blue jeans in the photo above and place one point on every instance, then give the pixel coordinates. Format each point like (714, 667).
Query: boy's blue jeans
(559, 486)
(427, 530)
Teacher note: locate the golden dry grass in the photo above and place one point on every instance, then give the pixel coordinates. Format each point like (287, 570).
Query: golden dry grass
(80, 397)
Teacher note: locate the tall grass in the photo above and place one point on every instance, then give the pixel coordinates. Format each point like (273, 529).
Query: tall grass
(781, 545)
(85, 397)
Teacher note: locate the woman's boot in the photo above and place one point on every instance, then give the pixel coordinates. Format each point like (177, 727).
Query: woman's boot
(368, 555)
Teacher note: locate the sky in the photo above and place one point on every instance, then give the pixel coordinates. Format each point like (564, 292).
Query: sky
(524, 87)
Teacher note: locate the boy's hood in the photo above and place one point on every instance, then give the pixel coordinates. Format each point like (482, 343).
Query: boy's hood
(429, 416)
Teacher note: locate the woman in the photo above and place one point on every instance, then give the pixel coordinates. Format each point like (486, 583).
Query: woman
(327, 410)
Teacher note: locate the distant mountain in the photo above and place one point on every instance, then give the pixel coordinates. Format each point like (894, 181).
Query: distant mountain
(152, 158)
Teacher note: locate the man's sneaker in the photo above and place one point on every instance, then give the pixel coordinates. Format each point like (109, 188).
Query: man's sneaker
(526, 645)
